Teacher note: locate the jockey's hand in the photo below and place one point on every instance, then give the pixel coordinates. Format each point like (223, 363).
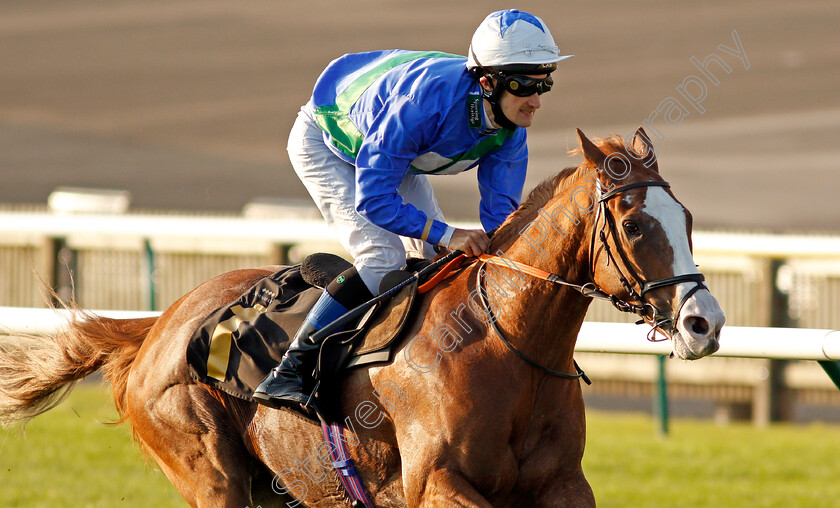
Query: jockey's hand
(472, 242)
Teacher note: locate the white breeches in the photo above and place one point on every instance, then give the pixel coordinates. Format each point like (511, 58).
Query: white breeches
(332, 184)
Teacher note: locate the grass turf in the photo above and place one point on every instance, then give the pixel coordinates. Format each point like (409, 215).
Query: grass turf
(67, 459)
(703, 465)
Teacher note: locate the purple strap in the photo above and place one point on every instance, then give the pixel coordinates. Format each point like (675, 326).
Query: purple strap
(344, 465)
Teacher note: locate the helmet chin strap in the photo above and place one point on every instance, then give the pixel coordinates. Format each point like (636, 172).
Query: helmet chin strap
(493, 97)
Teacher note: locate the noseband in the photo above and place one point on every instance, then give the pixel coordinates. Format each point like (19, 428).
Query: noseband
(660, 322)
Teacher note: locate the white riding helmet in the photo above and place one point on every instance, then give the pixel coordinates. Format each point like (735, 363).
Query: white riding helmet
(514, 41)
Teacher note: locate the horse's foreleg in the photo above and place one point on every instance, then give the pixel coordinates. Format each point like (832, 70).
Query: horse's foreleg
(445, 487)
(573, 492)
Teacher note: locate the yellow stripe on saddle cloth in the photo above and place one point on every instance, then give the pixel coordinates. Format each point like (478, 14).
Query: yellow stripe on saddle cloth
(236, 346)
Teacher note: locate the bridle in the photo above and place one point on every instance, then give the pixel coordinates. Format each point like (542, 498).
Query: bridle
(646, 310)
(660, 322)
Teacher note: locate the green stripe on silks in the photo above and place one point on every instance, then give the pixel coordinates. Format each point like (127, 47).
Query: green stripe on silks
(333, 117)
(485, 146)
(832, 368)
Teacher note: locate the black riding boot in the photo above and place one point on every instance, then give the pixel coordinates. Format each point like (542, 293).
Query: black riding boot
(284, 384)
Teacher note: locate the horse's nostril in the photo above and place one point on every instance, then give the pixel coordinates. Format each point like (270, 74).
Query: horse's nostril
(699, 325)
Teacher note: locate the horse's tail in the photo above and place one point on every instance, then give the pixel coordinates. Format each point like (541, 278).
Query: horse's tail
(37, 373)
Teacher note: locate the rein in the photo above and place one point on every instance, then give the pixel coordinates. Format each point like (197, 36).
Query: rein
(492, 318)
(647, 311)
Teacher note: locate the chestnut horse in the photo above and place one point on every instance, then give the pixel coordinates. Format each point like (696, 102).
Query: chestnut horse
(459, 418)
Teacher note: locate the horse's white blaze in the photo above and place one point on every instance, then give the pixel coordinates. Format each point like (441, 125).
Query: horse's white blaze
(665, 209)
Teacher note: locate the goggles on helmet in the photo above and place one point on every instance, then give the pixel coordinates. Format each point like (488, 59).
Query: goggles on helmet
(525, 86)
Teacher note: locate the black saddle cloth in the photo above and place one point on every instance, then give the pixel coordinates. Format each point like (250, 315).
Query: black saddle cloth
(236, 347)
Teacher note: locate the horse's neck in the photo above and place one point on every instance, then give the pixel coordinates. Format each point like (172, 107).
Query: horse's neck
(564, 224)
(544, 317)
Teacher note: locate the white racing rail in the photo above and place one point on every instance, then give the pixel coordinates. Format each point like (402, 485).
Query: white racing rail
(31, 321)
(294, 231)
(626, 338)
(735, 342)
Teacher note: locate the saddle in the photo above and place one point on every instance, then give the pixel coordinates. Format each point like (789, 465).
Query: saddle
(236, 347)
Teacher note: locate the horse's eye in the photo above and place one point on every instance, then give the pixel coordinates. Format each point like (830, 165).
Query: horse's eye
(631, 228)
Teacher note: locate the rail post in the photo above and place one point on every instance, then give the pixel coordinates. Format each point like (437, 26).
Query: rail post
(280, 253)
(149, 274)
(660, 399)
(65, 270)
(777, 407)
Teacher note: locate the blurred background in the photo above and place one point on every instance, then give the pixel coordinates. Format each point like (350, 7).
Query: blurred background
(146, 113)
(188, 104)
(142, 151)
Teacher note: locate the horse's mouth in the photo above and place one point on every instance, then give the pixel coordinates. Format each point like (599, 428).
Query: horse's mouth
(684, 351)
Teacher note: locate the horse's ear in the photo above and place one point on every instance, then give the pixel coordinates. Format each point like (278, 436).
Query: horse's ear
(644, 148)
(591, 152)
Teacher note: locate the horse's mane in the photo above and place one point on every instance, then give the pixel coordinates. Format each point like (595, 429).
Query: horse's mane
(537, 198)
(548, 188)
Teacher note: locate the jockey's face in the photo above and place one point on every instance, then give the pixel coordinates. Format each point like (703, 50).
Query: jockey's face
(519, 110)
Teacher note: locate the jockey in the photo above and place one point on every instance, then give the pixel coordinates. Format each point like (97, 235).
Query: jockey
(377, 124)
